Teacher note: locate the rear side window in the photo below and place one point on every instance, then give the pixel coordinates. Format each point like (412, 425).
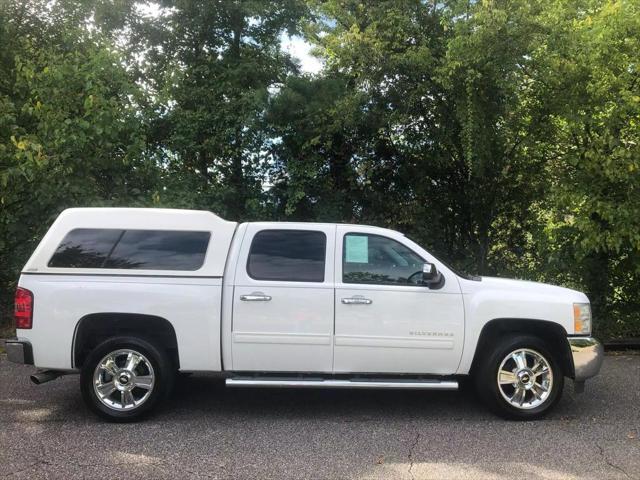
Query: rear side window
(287, 255)
(131, 249)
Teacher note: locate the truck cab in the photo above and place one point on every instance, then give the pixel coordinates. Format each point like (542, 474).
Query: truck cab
(129, 297)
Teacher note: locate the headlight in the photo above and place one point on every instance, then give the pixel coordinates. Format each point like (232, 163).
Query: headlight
(582, 318)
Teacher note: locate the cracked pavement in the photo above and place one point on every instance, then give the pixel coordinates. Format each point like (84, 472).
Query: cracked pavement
(207, 431)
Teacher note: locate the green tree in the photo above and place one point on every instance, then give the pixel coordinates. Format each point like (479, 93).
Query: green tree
(315, 138)
(213, 65)
(70, 132)
(589, 79)
(447, 133)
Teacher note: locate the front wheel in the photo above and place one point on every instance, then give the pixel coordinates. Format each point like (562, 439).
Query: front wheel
(520, 379)
(124, 378)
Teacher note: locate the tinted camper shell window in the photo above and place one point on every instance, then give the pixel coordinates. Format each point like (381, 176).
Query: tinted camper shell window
(131, 249)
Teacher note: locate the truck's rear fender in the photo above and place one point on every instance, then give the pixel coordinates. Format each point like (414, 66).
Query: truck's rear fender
(62, 304)
(95, 328)
(552, 333)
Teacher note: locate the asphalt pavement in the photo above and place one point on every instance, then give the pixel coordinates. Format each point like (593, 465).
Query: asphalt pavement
(207, 431)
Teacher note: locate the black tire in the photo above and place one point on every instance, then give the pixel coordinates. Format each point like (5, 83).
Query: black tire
(486, 378)
(163, 378)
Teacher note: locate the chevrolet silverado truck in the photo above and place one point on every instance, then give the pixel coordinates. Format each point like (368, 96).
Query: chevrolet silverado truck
(129, 297)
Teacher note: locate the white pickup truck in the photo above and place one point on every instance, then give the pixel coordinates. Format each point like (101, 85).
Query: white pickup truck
(128, 297)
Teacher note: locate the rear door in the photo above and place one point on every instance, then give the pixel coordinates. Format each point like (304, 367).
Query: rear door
(283, 299)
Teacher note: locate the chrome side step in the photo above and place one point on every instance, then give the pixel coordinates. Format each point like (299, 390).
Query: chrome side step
(328, 383)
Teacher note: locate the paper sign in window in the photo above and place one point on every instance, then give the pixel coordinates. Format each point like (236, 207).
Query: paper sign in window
(357, 249)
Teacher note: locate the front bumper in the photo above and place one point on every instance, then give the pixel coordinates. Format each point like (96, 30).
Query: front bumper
(19, 351)
(588, 355)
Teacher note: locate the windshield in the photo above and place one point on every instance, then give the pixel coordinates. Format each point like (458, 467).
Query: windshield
(460, 273)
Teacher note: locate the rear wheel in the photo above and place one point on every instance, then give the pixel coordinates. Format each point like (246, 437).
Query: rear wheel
(124, 378)
(520, 379)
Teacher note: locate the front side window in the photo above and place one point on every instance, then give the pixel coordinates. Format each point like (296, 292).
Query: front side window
(377, 260)
(287, 255)
(131, 249)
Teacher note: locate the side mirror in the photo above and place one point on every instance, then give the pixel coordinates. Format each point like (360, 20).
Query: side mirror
(431, 277)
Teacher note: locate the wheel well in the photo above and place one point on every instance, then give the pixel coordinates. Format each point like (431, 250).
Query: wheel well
(95, 328)
(553, 334)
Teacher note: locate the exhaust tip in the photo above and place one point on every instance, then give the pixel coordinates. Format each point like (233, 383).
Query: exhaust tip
(42, 377)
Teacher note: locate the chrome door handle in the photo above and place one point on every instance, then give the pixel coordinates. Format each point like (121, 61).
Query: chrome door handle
(255, 297)
(357, 301)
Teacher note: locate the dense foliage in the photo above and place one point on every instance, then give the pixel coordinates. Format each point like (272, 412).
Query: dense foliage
(502, 135)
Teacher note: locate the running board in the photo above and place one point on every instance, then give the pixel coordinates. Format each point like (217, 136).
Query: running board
(360, 383)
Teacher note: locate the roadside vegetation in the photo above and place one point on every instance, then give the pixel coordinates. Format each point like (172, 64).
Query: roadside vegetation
(504, 136)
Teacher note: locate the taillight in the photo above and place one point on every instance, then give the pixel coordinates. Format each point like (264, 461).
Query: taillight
(23, 311)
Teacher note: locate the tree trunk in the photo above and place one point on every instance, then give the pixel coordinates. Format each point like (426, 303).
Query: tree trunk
(598, 286)
(236, 180)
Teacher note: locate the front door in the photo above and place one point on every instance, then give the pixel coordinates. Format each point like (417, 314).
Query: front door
(386, 322)
(283, 299)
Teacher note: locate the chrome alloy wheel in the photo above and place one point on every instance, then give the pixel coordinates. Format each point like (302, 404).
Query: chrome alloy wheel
(525, 379)
(123, 379)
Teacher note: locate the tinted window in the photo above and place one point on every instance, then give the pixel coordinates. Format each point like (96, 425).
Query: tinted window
(373, 259)
(131, 249)
(159, 250)
(85, 248)
(289, 255)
